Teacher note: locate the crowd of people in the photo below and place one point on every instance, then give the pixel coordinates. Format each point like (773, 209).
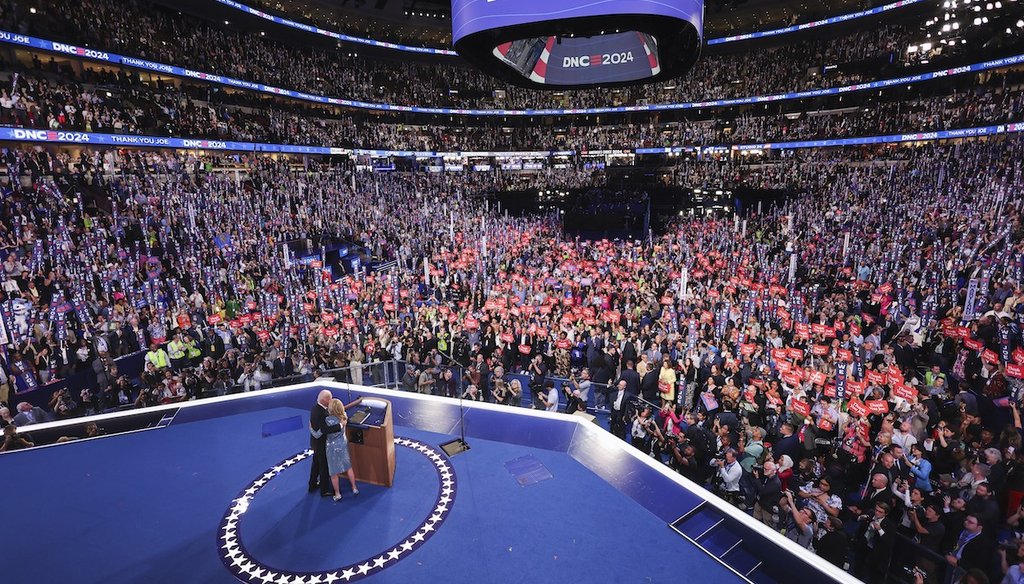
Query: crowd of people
(847, 365)
(866, 391)
(45, 95)
(182, 40)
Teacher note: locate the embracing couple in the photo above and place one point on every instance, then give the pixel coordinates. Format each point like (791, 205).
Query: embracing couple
(327, 421)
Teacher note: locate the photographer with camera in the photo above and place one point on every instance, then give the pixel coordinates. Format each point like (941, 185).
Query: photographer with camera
(769, 493)
(643, 429)
(727, 477)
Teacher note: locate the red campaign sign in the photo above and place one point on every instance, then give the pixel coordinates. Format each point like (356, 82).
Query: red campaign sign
(308, 306)
(214, 319)
(974, 344)
(802, 330)
(855, 329)
(452, 317)
(825, 424)
(562, 344)
(856, 387)
(795, 353)
(1013, 370)
(774, 398)
(348, 323)
(830, 390)
(251, 304)
(877, 406)
(749, 394)
(829, 332)
(590, 321)
(515, 311)
(245, 319)
(951, 331)
(382, 323)
(748, 349)
(389, 306)
(612, 316)
(331, 331)
(963, 332)
(876, 298)
(328, 317)
(791, 378)
(784, 366)
(443, 309)
(262, 335)
(311, 295)
(544, 309)
(800, 407)
(839, 326)
(403, 293)
(844, 355)
(819, 349)
(346, 310)
(542, 333)
(525, 349)
(817, 378)
(782, 313)
(875, 377)
(712, 293)
(1018, 355)
(666, 300)
(894, 377)
(817, 328)
(885, 288)
(236, 323)
(989, 356)
(316, 264)
(779, 354)
(857, 408)
(472, 323)
(507, 337)
(905, 391)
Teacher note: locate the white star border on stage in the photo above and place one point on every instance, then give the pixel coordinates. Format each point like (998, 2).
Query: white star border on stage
(249, 570)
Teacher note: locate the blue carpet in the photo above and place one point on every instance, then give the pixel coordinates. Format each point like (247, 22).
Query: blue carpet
(145, 507)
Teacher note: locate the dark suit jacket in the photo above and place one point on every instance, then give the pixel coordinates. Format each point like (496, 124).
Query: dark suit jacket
(283, 367)
(317, 415)
(38, 416)
(632, 379)
(789, 445)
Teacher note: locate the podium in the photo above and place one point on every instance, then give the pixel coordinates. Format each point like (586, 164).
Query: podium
(371, 438)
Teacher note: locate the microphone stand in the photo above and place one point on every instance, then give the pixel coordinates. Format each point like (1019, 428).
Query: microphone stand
(458, 445)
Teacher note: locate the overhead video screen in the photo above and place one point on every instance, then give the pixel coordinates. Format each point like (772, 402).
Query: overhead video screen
(609, 58)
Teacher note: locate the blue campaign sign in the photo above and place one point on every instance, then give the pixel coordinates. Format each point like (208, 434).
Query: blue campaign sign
(47, 45)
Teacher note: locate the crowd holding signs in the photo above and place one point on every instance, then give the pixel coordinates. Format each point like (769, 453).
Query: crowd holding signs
(865, 334)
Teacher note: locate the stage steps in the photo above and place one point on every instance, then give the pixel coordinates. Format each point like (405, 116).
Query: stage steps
(728, 541)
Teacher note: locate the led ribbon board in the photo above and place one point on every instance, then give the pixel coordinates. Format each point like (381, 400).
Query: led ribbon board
(562, 44)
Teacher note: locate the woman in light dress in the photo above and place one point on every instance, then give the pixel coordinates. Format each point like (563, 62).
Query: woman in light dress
(338, 460)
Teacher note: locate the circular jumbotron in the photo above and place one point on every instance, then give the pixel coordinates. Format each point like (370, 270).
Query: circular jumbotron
(571, 44)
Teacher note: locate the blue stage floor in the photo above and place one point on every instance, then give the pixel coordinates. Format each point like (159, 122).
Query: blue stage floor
(147, 507)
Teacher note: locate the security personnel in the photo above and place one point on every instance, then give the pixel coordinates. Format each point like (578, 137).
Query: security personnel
(176, 349)
(158, 357)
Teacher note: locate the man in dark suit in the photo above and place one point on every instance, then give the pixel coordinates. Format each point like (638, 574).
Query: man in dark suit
(619, 405)
(283, 366)
(631, 377)
(319, 477)
(649, 385)
(789, 443)
(973, 547)
(29, 414)
(873, 544)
